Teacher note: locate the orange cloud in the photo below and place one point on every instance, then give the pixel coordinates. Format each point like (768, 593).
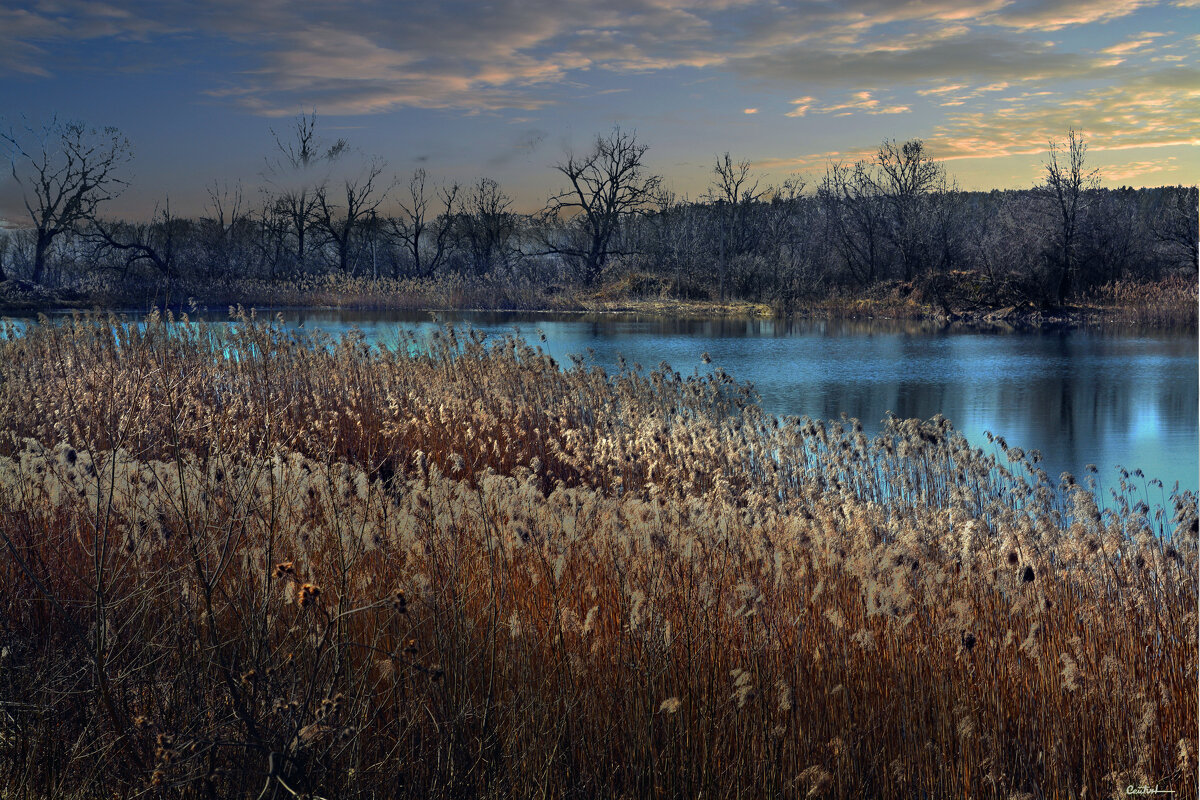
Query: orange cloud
(802, 105)
(1056, 16)
(1117, 173)
(942, 89)
(1130, 45)
(864, 102)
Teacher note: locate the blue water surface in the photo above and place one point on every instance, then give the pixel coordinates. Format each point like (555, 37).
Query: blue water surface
(1105, 396)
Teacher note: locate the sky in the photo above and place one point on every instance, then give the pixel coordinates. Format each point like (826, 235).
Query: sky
(506, 89)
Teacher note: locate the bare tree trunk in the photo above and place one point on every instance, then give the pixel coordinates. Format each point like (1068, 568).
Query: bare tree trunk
(1067, 184)
(39, 256)
(723, 266)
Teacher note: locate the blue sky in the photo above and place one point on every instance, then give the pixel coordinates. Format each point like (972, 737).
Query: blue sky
(502, 89)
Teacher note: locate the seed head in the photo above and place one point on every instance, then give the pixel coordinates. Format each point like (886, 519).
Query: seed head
(309, 594)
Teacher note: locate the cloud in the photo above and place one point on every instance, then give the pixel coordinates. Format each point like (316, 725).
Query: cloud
(1159, 109)
(273, 57)
(1038, 15)
(1130, 45)
(942, 89)
(32, 35)
(802, 105)
(862, 101)
(1120, 173)
(1151, 111)
(749, 110)
(978, 58)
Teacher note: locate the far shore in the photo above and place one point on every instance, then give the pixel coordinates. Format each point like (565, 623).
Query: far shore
(1164, 305)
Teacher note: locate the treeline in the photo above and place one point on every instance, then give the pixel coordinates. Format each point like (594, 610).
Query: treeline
(896, 220)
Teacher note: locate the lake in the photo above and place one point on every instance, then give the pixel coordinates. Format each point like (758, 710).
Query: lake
(1102, 396)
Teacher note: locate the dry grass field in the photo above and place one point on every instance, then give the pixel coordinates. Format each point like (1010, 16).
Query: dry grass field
(238, 563)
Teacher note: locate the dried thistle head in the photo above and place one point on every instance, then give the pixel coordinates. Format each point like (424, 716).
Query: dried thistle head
(164, 748)
(399, 602)
(309, 594)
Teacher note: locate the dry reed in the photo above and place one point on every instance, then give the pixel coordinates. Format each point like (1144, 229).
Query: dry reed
(238, 563)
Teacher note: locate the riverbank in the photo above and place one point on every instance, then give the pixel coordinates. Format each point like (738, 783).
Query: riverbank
(1172, 302)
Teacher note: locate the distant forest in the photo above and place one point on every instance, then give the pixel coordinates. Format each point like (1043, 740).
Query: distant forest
(894, 220)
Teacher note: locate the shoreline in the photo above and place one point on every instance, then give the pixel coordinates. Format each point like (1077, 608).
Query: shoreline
(21, 300)
(982, 321)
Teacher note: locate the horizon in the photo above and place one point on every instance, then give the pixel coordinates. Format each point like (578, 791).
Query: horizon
(505, 90)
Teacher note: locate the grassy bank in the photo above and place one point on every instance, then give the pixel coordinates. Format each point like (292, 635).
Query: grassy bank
(238, 565)
(967, 299)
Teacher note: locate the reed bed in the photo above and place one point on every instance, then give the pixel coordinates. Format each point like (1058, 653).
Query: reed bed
(324, 291)
(241, 563)
(1172, 301)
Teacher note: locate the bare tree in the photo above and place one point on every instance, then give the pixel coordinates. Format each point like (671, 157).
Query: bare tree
(5, 243)
(854, 212)
(905, 176)
(607, 184)
(487, 225)
(733, 191)
(1174, 223)
(1067, 182)
(224, 219)
(296, 174)
(362, 201)
(796, 249)
(270, 243)
(414, 227)
(66, 170)
(156, 243)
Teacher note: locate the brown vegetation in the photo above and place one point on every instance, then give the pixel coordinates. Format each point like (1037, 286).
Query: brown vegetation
(240, 564)
(1171, 301)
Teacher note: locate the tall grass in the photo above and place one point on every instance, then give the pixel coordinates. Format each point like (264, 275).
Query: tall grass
(1172, 301)
(332, 291)
(238, 563)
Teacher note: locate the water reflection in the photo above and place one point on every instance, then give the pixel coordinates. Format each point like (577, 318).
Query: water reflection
(1095, 396)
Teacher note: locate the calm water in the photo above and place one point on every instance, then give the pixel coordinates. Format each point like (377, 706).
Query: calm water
(1095, 396)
